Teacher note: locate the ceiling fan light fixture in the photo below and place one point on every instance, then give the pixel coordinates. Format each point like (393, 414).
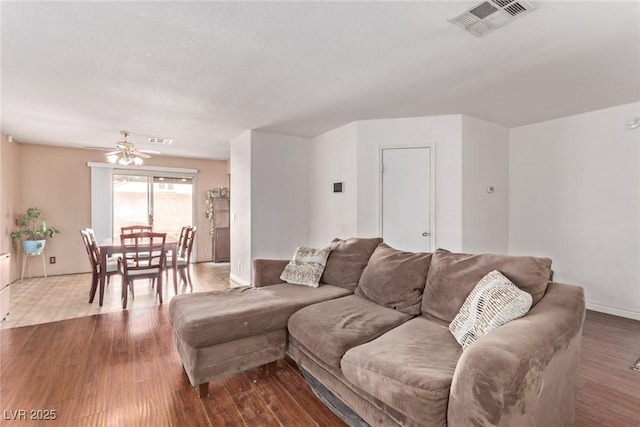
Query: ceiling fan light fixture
(126, 154)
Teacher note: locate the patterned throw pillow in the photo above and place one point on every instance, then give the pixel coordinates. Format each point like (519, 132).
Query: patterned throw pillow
(494, 301)
(306, 267)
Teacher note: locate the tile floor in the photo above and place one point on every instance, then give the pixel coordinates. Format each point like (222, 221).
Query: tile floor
(41, 300)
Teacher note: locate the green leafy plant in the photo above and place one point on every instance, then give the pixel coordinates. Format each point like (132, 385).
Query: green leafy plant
(33, 227)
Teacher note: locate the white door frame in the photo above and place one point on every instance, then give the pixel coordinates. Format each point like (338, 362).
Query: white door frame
(432, 188)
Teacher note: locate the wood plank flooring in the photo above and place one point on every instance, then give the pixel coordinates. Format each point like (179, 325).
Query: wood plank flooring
(121, 369)
(608, 389)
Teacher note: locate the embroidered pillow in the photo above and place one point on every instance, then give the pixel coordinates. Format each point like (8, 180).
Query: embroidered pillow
(494, 301)
(306, 267)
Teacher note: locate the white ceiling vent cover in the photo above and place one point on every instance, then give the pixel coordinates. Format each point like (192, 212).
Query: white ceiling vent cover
(488, 15)
(161, 141)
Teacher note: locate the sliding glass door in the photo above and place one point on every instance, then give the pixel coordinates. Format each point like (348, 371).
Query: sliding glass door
(171, 204)
(131, 202)
(164, 202)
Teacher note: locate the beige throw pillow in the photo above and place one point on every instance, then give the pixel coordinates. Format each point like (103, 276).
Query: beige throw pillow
(306, 267)
(494, 301)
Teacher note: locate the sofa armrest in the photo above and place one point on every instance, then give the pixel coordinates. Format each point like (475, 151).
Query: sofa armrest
(525, 372)
(267, 271)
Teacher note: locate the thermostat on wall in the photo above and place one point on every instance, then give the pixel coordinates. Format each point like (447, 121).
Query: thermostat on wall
(338, 187)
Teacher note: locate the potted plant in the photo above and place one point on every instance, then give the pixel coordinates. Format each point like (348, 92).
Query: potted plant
(35, 231)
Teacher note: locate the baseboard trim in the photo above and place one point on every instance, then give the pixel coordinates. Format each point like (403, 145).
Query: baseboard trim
(238, 280)
(621, 312)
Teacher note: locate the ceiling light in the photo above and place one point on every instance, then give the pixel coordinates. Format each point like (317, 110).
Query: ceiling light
(126, 153)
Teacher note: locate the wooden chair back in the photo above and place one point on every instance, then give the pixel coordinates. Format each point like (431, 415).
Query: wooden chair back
(143, 252)
(187, 243)
(86, 240)
(135, 229)
(183, 231)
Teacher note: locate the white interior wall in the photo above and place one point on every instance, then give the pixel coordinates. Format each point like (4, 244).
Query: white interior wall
(333, 159)
(270, 201)
(279, 194)
(240, 205)
(574, 193)
(444, 133)
(575, 197)
(485, 162)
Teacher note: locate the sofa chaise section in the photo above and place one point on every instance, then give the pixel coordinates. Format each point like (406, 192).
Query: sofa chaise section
(220, 333)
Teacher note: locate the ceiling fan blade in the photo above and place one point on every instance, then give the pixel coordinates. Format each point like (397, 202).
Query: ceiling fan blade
(99, 148)
(148, 151)
(140, 154)
(111, 153)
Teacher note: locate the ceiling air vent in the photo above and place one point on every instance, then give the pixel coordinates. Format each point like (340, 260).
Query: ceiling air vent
(488, 15)
(161, 141)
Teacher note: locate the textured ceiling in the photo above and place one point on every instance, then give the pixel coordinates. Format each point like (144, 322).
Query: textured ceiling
(202, 73)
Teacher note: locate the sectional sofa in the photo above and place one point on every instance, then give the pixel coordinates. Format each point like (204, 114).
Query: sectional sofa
(376, 333)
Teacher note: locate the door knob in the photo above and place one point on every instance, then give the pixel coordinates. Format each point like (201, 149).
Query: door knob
(426, 234)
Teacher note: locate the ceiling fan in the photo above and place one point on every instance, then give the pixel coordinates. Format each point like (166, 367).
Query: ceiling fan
(126, 153)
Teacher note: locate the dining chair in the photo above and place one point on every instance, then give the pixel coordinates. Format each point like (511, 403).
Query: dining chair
(143, 257)
(112, 264)
(135, 229)
(183, 231)
(93, 251)
(185, 246)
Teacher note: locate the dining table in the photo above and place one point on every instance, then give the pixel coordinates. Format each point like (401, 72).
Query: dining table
(109, 247)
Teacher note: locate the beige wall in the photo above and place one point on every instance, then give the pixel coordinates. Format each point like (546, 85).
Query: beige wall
(9, 197)
(58, 181)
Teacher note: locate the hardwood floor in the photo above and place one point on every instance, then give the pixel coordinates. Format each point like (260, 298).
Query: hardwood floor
(121, 369)
(608, 389)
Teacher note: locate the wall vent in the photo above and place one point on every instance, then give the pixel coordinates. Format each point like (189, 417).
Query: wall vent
(488, 15)
(161, 141)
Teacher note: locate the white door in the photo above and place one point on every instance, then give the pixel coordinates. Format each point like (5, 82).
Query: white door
(406, 198)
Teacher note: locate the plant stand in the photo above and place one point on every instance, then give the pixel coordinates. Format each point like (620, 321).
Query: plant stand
(25, 257)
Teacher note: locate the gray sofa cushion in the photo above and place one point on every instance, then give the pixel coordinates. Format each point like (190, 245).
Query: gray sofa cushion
(347, 260)
(452, 277)
(410, 368)
(330, 328)
(395, 279)
(206, 318)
